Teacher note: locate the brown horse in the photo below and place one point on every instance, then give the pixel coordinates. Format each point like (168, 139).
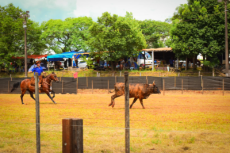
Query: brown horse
(45, 88)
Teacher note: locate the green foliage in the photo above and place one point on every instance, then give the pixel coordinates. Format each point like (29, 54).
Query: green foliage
(67, 35)
(198, 27)
(155, 32)
(88, 60)
(211, 63)
(115, 37)
(12, 35)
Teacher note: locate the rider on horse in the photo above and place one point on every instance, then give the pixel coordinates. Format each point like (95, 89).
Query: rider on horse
(39, 70)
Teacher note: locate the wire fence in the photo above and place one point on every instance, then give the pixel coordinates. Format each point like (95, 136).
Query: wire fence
(71, 85)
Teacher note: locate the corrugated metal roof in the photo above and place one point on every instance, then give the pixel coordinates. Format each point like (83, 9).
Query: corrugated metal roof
(158, 49)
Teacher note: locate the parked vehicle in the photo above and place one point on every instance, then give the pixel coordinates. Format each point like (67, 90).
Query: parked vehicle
(82, 64)
(147, 57)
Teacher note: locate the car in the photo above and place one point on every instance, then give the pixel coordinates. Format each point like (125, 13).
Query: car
(82, 64)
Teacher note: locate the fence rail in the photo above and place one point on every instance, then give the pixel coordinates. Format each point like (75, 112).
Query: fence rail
(70, 85)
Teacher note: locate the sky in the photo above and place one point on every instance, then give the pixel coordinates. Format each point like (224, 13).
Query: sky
(44, 10)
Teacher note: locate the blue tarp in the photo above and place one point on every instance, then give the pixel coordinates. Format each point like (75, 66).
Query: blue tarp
(59, 57)
(141, 56)
(79, 55)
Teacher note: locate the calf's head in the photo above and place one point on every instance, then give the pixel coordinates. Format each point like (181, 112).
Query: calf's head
(155, 89)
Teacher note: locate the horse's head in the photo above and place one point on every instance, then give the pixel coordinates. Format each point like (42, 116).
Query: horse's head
(53, 77)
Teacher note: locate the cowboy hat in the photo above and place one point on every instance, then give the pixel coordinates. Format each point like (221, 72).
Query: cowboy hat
(36, 62)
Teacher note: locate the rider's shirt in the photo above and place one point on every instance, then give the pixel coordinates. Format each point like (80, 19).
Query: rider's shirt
(37, 69)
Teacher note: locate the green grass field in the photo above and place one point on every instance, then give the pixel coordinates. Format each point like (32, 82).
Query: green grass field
(191, 122)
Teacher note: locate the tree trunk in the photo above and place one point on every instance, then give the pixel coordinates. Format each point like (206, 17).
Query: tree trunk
(186, 66)
(194, 62)
(203, 62)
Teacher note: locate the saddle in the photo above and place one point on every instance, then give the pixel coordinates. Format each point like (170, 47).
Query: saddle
(32, 80)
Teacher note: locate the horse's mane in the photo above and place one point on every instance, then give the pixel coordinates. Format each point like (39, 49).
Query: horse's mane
(50, 75)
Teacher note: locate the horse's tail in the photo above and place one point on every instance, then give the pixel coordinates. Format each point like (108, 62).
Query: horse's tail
(15, 86)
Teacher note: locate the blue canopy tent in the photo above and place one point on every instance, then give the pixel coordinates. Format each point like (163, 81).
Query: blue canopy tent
(59, 57)
(81, 54)
(78, 55)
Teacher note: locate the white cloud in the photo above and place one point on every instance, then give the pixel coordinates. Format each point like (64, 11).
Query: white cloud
(61, 9)
(141, 9)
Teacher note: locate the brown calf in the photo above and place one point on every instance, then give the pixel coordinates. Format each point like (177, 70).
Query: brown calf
(136, 90)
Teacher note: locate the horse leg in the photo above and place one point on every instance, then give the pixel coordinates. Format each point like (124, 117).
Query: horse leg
(48, 94)
(134, 100)
(52, 93)
(31, 94)
(22, 94)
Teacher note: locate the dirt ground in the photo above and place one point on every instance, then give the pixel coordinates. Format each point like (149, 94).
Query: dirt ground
(175, 122)
(167, 92)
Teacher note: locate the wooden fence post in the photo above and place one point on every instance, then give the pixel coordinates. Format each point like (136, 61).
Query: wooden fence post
(76, 85)
(127, 128)
(72, 135)
(199, 73)
(174, 81)
(77, 136)
(62, 87)
(182, 86)
(146, 80)
(37, 114)
(223, 87)
(202, 86)
(201, 80)
(163, 86)
(108, 86)
(115, 79)
(8, 86)
(87, 81)
(92, 86)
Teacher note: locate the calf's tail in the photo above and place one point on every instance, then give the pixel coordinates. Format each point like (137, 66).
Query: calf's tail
(111, 91)
(15, 86)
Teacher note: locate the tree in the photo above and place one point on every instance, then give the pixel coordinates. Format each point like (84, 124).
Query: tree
(198, 27)
(115, 37)
(12, 35)
(155, 32)
(70, 34)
